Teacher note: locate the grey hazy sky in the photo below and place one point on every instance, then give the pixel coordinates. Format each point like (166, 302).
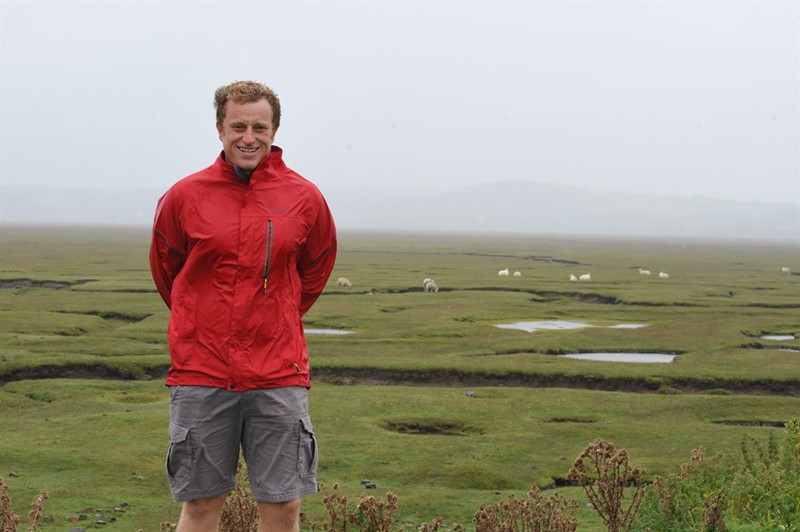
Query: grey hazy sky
(666, 97)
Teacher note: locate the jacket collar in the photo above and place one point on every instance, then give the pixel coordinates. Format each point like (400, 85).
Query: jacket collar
(273, 160)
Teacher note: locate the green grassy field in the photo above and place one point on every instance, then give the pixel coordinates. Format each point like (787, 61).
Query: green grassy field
(78, 303)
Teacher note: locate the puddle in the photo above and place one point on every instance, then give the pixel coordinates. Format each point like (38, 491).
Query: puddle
(560, 325)
(550, 325)
(646, 358)
(327, 331)
(778, 337)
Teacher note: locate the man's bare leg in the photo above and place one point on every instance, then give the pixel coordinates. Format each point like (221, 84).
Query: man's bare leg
(279, 517)
(201, 515)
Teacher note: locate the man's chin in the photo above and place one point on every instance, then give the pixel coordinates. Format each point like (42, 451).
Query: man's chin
(247, 165)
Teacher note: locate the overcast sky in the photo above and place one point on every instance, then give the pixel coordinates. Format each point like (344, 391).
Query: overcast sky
(667, 97)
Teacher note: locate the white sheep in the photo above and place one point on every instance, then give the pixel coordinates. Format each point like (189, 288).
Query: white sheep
(431, 287)
(517, 274)
(426, 281)
(785, 270)
(344, 282)
(662, 275)
(585, 277)
(572, 277)
(503, 273)
(644, 272)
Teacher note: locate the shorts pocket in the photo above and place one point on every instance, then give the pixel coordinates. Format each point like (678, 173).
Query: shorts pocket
(307, 449)
(173, 392)
(179, 455)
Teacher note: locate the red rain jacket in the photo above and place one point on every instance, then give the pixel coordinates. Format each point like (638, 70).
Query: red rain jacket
(239, 263)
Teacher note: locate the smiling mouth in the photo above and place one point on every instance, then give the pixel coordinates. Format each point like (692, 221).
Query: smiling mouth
(247, 150)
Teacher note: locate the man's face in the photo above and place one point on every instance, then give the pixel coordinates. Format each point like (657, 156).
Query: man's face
(247, 133)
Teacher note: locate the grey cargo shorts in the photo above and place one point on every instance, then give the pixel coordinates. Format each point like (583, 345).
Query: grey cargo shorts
(209, 426)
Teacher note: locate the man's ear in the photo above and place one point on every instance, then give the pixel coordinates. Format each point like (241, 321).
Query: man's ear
(219, 130)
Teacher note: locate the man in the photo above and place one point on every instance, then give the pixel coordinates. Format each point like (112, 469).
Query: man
(240, 252)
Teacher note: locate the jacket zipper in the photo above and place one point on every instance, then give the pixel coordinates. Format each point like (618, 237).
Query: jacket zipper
(268, 254)
(270, 240)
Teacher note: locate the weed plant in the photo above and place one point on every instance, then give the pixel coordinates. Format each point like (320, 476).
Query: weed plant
(240, 513)
(767, 488)
(605, 473)
(759, 490)
(534, 513)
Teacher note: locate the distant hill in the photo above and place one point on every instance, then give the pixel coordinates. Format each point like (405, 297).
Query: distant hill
(514, 207)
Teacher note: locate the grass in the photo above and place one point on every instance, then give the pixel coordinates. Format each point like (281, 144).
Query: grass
(98, 443)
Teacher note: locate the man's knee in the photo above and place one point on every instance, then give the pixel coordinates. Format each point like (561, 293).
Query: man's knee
(279, 515)
(203, 510)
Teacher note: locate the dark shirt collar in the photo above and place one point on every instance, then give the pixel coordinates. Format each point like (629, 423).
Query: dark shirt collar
(244, 174)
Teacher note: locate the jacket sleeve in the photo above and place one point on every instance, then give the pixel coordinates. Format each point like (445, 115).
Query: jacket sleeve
(317, 257)
(167, 247)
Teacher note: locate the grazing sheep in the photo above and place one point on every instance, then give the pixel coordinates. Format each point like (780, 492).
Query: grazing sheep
(344, 282)
(517, 274)
(572, 277)
(426, 281)
(644, 272)
(662, 275)
(503, 273)
(585, 277)
(786, 270)
(431, 287)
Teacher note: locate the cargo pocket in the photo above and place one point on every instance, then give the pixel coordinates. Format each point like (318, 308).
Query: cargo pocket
(307, 450)
(179, 455)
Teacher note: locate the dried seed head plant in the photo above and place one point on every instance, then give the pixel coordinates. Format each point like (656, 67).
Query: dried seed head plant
(36, 509)
(535, 513)
(9, 520)
(712, 518)
(377, 516)
(240, 513)
(370, 515)
(335, 503)
(604, 482)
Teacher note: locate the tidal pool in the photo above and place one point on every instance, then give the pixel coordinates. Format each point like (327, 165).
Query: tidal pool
(560, 325)
(646, 358)
(327, 331)
(550, 325)
(778, 337)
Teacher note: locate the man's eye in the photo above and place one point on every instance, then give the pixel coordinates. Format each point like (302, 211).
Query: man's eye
(260, 129)
(238, 127)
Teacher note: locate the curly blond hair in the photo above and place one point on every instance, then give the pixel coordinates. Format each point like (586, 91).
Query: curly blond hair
(246, 92)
